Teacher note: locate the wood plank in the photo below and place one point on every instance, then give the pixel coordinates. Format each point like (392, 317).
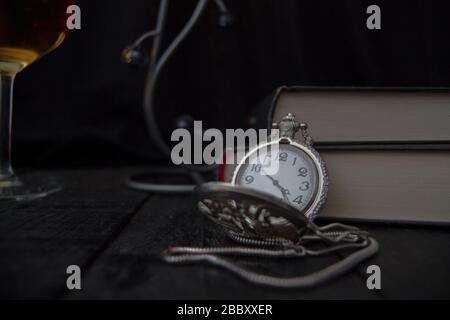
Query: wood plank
(39, 239)
(131, 267)
(93, 223)
(414, 261)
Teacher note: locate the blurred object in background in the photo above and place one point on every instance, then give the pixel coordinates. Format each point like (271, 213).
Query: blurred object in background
(29, 29)
(94, 116)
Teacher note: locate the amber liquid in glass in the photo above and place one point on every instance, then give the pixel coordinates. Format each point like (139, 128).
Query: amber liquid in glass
(29, 29)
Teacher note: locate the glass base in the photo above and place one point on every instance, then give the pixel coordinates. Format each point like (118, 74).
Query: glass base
(26, 188)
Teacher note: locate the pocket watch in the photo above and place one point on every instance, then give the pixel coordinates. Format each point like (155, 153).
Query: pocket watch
(269, 213)
(300, 178)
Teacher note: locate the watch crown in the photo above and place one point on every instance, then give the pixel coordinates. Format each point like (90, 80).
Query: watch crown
(288, 126)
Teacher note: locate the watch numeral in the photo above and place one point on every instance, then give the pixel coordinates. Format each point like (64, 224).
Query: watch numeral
(283, 156)
(298, 200)
(294, 162)
(256, 168)
(303, 172)
(305, 186)
(249, 179)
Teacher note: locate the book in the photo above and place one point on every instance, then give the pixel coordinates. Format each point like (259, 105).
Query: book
(357, 115)
(385, 185)
(387, 150)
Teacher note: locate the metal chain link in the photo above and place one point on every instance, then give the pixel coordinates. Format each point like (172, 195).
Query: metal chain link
(335, 237)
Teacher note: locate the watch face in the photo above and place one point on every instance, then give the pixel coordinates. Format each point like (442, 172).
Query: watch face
(295, 181)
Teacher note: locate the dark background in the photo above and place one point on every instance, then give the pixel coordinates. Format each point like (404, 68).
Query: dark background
(81, 106)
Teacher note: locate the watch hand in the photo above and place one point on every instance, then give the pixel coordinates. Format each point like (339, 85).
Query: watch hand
(284, 192)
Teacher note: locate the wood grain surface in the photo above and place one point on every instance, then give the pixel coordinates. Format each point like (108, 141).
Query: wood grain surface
(117, 235)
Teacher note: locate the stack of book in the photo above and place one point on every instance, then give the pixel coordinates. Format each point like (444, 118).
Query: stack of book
(387, 150)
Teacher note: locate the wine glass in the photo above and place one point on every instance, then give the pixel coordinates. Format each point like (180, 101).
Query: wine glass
(29, 29)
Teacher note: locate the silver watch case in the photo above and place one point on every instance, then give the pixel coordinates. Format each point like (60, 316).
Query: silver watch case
(320, 195)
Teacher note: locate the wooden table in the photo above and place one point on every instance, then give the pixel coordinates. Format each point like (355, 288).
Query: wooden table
(116, 235)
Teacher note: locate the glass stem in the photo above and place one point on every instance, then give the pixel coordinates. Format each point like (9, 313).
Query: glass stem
(6, 100)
